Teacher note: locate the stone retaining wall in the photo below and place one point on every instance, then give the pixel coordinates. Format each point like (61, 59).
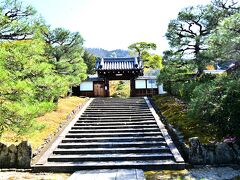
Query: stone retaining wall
(213, 154)
(16, 156)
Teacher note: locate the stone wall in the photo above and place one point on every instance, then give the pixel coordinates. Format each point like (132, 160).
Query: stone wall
(213, 154)
(16, 156)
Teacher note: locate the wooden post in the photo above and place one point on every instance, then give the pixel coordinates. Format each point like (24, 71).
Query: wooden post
(132, 87)
(106, 87)
(146, 90)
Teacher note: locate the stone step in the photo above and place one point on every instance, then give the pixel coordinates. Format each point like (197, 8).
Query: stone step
(117, 107)
(115, 130)
(127, 134)
(153, 149)
(114, 120)
(115, 127)
(114, 139)
(116, 114)
(109, 157)
(114, 123)
(112, 133)
(122, 117)
(112, 144)
(145, 165)
(117, 110)
(116, 104)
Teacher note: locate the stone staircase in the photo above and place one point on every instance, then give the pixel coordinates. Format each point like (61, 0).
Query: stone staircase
(114, 133)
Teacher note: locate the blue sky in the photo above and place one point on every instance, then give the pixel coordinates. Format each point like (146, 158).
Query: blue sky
(113, 24)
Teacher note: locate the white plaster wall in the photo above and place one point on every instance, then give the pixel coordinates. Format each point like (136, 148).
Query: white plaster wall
(86, 86)
(140, 84)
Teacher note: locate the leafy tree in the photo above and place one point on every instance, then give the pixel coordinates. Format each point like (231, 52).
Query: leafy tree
(175, 71)
(31, 79)
(17, 22)
(142, 47)
(218, 103)
(154, 61)
(65, 51)
(29, 84)
(224, 43)
(90, 61)
(187, 34)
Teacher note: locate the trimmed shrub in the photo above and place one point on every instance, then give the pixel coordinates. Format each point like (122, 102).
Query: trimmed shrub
(218, 102)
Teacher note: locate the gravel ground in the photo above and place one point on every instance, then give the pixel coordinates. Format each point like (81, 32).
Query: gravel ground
(213, 173)
(201, 173)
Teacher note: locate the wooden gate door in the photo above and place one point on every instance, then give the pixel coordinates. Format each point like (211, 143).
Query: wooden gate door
(99, 89)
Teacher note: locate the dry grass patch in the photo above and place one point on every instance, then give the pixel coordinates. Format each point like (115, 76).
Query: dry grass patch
(46, 124)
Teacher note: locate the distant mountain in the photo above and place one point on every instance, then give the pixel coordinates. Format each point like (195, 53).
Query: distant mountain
(99, 52)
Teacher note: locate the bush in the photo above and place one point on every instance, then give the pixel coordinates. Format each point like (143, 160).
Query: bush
(184, 89)
(218, 102)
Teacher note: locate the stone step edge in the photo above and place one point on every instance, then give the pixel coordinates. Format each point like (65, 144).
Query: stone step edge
(174, 150)
(72, 167)
(107, 157)
(107, 127)
(117, 138)
(162, 148)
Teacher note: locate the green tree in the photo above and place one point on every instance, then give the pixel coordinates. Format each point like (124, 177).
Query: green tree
(90, 61)
(142, 47)
(17, 22)
(152, 61)
(187, 34)
(218, 103)
(65, 52)
(142, 50)
(224, 43)
(29, 84)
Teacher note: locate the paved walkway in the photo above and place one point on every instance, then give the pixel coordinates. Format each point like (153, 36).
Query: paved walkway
(109, 174)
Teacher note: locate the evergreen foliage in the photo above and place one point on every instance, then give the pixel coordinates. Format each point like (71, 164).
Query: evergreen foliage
(64, 50)
(218, 102)
(90, 61)
(34, 72)
(141, 49)
(224, 43)
(198, 36)
(187, 33)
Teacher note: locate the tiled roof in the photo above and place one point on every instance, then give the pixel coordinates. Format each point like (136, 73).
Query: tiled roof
(118, 63)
